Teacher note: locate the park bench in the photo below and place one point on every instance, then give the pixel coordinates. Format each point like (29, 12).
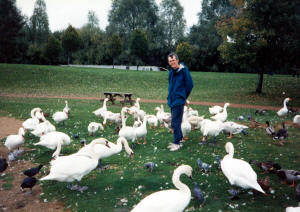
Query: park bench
(126, 97)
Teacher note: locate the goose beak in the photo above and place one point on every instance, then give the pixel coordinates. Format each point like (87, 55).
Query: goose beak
(191, 177)
(107, 144)
(131, 155)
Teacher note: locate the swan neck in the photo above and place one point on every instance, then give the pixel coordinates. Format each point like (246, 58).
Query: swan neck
(123, 119)
(92, 151)
(284, 103)
(178, 184)
(57, 151)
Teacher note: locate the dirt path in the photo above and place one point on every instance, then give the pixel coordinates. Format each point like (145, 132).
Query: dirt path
(258, 107)
(13, 199)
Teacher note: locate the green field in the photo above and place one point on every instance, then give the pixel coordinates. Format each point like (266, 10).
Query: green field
(127, 178)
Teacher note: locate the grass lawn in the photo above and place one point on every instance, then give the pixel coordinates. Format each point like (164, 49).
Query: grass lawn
(213, 87)
(127, 179)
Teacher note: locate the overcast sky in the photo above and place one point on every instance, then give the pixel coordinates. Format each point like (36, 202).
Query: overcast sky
(61, 13)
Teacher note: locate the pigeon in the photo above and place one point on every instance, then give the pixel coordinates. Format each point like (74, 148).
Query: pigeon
(33, 171)
(3, 164)
(245, 132)
(76, 136)
(260, 112)
(28, 182)
(241, 117)
(218, 162)
(150, 166)
(197, 193)
(15, 154)
(203, 166)
(83, 142)
(233, 194)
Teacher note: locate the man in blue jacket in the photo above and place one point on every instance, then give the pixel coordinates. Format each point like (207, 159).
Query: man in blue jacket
(180, 87)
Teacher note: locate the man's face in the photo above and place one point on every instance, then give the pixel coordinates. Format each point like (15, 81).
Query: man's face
(173, 62)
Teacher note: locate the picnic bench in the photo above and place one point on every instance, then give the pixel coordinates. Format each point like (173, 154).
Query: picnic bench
(126, 97)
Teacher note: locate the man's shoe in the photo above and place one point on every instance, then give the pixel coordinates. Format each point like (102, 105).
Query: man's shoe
(175, 147)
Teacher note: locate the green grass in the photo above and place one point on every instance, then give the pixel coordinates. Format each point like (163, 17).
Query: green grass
(128, 178)
(7, 181)
(213, 87)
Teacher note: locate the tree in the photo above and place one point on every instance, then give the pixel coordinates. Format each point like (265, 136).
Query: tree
(39, 24)
(184, 52)
(70, 41)
(53, 49)
(11, 31)
(173, 21)
(139, 45)
(256, 36)
(114, 47)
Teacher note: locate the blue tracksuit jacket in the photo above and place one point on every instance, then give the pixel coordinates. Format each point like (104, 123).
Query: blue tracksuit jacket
(180, 86)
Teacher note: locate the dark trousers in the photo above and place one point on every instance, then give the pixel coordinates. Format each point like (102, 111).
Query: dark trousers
(177, 113)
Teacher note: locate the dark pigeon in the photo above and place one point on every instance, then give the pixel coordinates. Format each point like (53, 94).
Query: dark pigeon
(28, 182)
(33, 171)
(3, 164)
(203, 166)
(150, 166)
(197, 193)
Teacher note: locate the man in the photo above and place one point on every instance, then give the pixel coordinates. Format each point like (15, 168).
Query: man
(180, 87)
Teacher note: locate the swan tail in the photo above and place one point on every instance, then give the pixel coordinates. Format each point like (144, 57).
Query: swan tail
(48, 177)
(258, 188)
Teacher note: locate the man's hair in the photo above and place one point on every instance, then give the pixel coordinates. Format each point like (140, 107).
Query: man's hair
(172, 54)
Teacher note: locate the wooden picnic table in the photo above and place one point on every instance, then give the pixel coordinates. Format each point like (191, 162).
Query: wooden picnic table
(126, 97)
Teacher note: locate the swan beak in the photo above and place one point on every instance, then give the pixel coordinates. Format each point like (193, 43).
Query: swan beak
(107, 144)
(131, 155)
(191, 177)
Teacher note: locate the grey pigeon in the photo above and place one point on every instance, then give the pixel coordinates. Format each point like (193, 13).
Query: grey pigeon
(203, 165)
(233, 194)
(197, 193)
(150, 166)
(15, 154)
(218, 162)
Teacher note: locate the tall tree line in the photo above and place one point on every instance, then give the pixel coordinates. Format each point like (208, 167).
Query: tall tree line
(231, 35)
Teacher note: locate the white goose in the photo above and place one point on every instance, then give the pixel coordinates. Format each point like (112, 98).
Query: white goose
(172, 200)
(126, 131)
(60, 116)
(283, 111)
(15, 141)
(223, 115)
(195, 121)
(186, 127)
(211, 128)
(141, 131)
(103, 151)
(233, 128)
(51, 139)
(112, 117)
(296, 120)
(238, 172)
(63, 168)
(31, 123)
(152, 120)
(99, 112)
(94, 127)
(43, 128)
(67, 109)
(215, 109)
(161, 114)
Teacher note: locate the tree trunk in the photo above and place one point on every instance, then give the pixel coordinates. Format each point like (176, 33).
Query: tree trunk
(260, 81)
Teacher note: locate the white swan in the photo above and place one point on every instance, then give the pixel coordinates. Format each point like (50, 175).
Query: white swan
(296, 120)
(215, 109)
(233, 128)
(15, 141)
(31, 123)
(223, 115)
(99, 112)
(172, 200)
(141, 131)
(43, 128)
(51, 139)
(74, 167)
(211, 128)
(126, 131)
(94, 127)
(238, 172)
(103, 151)
(283, 111)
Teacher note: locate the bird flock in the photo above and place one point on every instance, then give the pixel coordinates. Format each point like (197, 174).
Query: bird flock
(72, 168)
